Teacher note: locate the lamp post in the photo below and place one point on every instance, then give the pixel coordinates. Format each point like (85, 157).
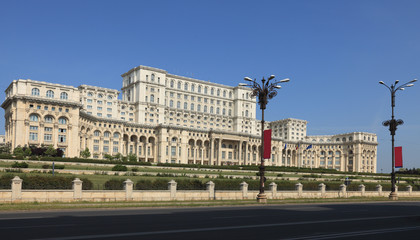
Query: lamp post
(393, 127)
(265, 91)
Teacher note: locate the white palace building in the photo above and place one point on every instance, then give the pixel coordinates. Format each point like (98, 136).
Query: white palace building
(166, 118)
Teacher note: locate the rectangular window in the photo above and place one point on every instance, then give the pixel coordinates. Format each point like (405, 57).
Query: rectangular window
(173, 151)
(62, 138)
(48, 137)
(62, 130)
(96, 141)
(96, 148)
(106, 149)
(89, 100)
(106, 142)
(33, 128)
(89, 106)
(33, 136)
(48, 129)
(115, 149)
(223, 154)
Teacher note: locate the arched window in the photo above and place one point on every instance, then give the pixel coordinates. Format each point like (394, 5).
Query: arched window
(217, 110)
(185, 106)
(33, 118)
(116, 135)
(171, 103)
(179, 85)
(192, 88)
(178, 104)
(246, 113)
(174, 139)
(199, 89)
(48, 119)
(224, 93)
(109, 97)
(230, 94)
(212, 91)
(97, 133)
(153, 77)
(90, 94)
(172, 83)
(50, 94)
(186, 86)
(152, 98)
(62, 120)
(206, 90)
(35, 92)
(107, 134)
(100, 95)
(211, 109)
(218, 92)
(199, 107)
(64, 96)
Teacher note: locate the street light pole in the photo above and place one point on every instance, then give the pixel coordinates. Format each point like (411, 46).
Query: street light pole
(393, 128)
(265, 91)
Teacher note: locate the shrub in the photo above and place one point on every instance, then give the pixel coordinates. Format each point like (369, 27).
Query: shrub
(119, 167)
(158, 184)
(6, 181)
(114, 184)
(20, 165)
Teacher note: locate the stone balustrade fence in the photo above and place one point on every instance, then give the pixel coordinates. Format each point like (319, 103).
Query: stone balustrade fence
(17, 194)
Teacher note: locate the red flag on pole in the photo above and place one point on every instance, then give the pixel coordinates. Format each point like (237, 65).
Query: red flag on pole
(267, 144)
(398, 157)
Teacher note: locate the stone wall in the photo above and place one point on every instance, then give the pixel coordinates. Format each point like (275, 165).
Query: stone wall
(17, 194)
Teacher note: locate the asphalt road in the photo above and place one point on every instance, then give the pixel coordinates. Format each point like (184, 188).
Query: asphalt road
(386, 220)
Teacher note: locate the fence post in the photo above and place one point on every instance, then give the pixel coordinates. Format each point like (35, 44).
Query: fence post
(321, 188)
(172, 188)
(409, 189)
(299, 189)
(343, 190)
(379, 189)
(16, 188)
(244, 189)
(362, 189)
(273, 189)
(210, 188)
(77, 188)
(128, 187)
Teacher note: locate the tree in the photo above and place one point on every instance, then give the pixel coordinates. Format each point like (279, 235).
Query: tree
(85, 153)
(18, 151)
(108, 157)
(118, 157)
(51, 151)
(27, 152)
(132, 157)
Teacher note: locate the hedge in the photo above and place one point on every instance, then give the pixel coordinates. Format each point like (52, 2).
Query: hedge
(44, 182)
(114, 184)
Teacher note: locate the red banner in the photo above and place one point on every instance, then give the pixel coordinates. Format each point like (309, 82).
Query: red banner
(267, 144)
(398, 157)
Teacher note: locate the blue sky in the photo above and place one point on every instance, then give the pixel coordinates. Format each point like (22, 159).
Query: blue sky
(334, 52)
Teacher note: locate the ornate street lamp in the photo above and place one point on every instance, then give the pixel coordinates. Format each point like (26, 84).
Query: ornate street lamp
(265, 91)
(392, 124)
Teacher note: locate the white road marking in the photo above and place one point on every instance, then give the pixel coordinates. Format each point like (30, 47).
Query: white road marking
(113, 235)
(38, 226)
(353, 234)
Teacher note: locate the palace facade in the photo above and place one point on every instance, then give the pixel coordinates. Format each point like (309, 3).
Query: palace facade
(161, 117)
